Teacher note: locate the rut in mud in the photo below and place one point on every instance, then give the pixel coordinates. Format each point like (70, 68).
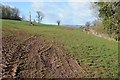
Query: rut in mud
(36, 58)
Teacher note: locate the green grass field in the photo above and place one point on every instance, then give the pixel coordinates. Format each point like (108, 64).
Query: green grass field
(99, 54)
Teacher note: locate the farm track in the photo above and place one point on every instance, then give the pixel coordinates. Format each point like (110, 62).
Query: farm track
(35, 58)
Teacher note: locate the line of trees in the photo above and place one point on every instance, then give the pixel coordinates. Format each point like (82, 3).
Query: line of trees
(9, 12)
(109, 13)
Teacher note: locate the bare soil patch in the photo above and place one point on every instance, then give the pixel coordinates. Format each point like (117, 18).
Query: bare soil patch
(31, 56)
(71, 28)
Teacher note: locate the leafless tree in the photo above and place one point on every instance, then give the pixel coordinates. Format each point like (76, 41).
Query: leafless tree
(40, 16)
(30, 17)
(58, 22)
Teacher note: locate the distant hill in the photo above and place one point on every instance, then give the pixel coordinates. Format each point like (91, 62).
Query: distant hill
(77, 26)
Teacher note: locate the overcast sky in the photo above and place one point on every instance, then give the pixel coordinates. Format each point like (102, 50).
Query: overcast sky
(70, 13)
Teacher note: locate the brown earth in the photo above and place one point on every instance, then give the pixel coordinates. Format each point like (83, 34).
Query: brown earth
(32, 56)
(69, 28)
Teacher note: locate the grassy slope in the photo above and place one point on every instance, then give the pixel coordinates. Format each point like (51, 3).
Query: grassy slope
(100, 54)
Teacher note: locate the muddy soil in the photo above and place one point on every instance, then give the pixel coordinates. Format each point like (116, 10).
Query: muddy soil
(31, 56)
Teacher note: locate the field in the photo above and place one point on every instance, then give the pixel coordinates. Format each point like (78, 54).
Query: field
(98, 55)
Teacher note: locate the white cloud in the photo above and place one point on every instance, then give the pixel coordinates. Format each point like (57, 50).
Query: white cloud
(59, 0)
(37, 5)
(79, 0)
(7, 4)
(56, 0)
(81, 9)
(68, 13)
(79, 5)
(61, 15)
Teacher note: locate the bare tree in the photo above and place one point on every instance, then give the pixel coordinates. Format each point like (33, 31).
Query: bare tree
(87, 24)
(30, 17)
(40, 16)
(58, 22)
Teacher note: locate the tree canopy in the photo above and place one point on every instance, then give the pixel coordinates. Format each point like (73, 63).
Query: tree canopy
(9, 12)
(109, 12)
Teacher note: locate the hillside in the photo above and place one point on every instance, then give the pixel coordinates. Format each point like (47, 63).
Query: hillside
(77, 53)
